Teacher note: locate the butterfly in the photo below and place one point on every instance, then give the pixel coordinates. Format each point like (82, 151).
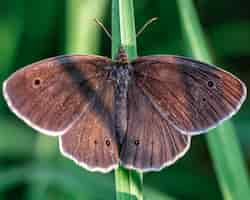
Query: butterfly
(140, 114)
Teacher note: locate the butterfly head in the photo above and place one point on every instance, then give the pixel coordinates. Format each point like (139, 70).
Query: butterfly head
(122, 57)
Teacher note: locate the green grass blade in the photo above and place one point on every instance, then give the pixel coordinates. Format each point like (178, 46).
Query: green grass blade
(82, 33)
(123, 27)
(128, 183)
(222, 142)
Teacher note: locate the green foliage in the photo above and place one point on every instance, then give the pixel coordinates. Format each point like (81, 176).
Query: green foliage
(30, 164)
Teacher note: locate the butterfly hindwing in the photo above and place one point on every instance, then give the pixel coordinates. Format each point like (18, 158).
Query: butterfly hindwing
(191, 95)
(51, 94)
(151, 142)
(92, 141)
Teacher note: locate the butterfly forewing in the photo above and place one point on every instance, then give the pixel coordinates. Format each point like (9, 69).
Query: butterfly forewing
(51, 94)
(151, 142)
(191, 95)
(92, 141)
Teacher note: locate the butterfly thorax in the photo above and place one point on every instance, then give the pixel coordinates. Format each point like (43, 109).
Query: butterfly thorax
(121, 73)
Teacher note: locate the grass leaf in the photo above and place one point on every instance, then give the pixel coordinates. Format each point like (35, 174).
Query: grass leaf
(128, 183)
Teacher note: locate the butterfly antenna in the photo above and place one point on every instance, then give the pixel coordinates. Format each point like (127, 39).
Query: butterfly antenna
(103, 28)
(150, 21)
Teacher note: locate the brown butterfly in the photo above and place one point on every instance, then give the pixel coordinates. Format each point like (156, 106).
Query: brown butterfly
(140, 114)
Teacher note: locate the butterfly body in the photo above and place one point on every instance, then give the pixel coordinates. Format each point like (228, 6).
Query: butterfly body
(121, 77)
(139, 114)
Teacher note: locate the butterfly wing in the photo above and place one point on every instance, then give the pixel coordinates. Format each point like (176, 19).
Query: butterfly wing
(191, 95)
(91, 142)
(51, 94)
(151, 142)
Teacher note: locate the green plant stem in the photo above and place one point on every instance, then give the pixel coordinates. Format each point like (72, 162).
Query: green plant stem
(222, 142)
(128, 182)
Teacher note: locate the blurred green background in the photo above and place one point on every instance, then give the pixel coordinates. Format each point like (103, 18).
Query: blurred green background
(31, 166)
